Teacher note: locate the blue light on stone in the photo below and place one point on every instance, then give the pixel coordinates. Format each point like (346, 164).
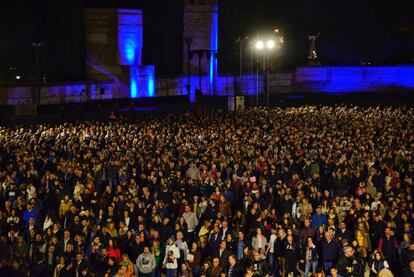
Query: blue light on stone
(213, 47)
(130, 36)
(349, 79)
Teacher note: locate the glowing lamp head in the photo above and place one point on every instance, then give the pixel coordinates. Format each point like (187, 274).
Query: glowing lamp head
(259, 45)
(270, 44)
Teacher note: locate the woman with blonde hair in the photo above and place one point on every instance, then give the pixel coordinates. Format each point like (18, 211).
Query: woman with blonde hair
(364, 242)
(204, 247)
(59, 266)
(112, 230)
(127, 266)
(205, 228)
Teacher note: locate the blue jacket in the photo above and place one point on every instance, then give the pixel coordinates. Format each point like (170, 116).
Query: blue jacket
(318, 220)
(28, 214)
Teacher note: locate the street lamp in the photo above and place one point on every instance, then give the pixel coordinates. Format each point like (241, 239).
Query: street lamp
(270, 44)
(266, 48)
(259, 45)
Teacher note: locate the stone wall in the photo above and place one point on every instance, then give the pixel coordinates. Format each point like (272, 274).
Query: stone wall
(307, 79)
(61, 93)
(198, 27)
(348, 79)
(101, 44)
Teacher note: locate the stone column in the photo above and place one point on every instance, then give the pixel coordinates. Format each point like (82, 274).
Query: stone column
(201, 29)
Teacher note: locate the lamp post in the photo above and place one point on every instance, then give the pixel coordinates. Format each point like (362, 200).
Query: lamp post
(259, 47)
(270, 45)
(264, 47)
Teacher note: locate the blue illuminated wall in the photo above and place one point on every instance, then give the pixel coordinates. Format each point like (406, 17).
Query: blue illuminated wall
(142, 81)
(134, 73)
(130, 44)
(130, 36)
(150, 80)
(348, 79)
(214, 47)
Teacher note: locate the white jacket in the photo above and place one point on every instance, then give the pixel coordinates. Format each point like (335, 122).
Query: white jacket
(172, 253)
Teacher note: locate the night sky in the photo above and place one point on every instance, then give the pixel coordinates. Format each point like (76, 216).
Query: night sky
(352, 32)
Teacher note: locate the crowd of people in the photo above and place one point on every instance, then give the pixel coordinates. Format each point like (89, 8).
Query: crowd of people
(307, 191)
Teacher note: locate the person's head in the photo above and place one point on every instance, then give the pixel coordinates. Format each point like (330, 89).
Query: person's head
(84, 271)
(412, 265)
(223, 245)
(349, 251)
(216, 228)
(309, 241)
(216, 262)
(194, 246)
(179, 235)
(307, 223)
(378, 256)
(96, 240)
(319, 210)
(241, 235)
(388, 231)
(111, 261)
(202, 240)
(79, 256)
(256, 256)
(246, 251)
(125, 257)
(51, 248)
(146, 249)
(15, 264)
(334, 271)
(171, 240)
(185, 266)
(62, 260)
(259, 231)
(289, 239)
(232, 260)
(155, 244)
(406, 237)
